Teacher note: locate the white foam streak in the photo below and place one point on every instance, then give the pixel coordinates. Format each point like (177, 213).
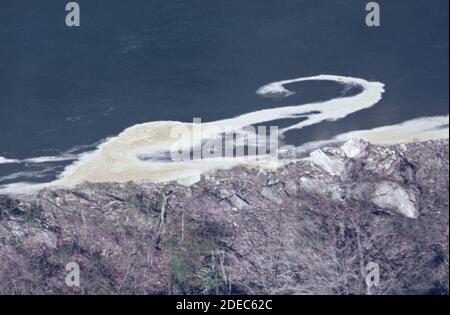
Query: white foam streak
(420, 129)
(51, 159)
(4, 160)
(40, 159)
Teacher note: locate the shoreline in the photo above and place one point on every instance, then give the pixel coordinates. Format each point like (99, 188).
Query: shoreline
(391, 200)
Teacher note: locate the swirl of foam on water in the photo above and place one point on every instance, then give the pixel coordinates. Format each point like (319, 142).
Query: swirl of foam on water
(316, 112)
(118, 158)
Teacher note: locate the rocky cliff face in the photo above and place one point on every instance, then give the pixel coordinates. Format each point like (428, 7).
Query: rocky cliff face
(316, 226)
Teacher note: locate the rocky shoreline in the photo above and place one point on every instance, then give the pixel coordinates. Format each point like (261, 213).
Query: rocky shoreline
(311, 227)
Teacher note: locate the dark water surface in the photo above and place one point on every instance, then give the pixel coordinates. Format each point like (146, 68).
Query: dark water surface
(146, 60)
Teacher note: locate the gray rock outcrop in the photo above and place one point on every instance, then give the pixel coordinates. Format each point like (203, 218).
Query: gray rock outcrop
(310, 227)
